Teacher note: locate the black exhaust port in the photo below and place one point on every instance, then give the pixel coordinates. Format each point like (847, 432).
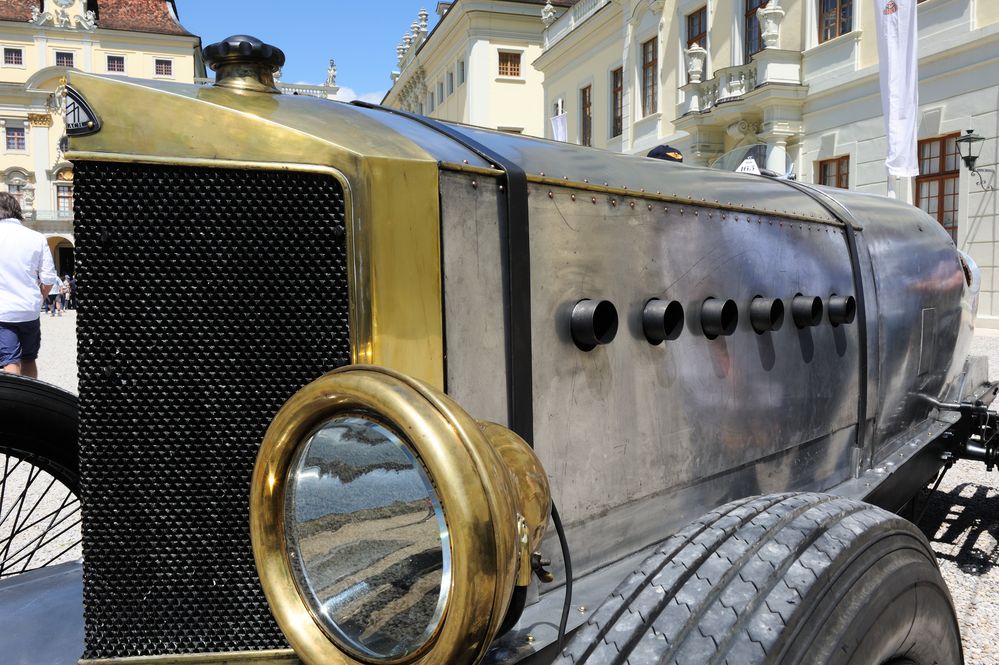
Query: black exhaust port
(842, 309)
(806, 311)
(766, 314)
(593, 322)
(719, 317)
(662, 321)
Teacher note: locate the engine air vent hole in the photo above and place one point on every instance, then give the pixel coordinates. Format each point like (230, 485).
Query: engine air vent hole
(593, 322)
(719, 317)
(662, 321)
(766, 314)
(806, 311)
(842, 309)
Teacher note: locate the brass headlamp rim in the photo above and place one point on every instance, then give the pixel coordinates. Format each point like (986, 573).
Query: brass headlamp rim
(473, 485)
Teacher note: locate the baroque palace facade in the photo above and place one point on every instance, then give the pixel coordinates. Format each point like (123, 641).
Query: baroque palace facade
(475, 66)
(39, 41)
(707, 76)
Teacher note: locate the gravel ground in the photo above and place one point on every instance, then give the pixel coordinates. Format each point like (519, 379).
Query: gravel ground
(961, 518)
(962, 522)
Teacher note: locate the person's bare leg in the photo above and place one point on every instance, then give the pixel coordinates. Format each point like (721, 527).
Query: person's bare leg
(29, 368)
(13, 368)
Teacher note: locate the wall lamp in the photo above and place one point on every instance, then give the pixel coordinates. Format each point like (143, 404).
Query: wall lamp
(970, 147)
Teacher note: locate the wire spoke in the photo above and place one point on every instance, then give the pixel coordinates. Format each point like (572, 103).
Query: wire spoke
(53, 514)
(19, 504)
(50, 539)
(40, 516)
(40, 536)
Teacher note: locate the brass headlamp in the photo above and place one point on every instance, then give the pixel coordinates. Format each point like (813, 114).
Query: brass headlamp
(388, 525)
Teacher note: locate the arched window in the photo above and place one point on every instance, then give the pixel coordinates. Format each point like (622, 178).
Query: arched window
(16, 182)
(64, 192)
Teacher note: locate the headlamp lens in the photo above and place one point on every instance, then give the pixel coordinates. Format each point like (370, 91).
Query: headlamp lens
(368, 542)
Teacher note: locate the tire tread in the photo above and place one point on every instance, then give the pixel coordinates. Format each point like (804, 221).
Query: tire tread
(725, 589)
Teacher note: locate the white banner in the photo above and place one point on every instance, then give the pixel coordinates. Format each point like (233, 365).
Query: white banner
(560, 127)
(897, 53)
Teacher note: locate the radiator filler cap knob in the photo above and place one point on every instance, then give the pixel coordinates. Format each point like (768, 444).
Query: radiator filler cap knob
(242, 62)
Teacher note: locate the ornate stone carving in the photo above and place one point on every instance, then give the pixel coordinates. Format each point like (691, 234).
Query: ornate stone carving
(770, 18)
(656, 6)
(697, 57)
(331, 74)
(40, 119)
(548, 14)
(745, 131)
(60, 18)
(28, 200)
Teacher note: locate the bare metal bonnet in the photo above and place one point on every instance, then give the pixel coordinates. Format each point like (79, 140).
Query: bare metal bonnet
(9, 207)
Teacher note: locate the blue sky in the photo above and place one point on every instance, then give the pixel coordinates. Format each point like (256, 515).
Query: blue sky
(361, 36)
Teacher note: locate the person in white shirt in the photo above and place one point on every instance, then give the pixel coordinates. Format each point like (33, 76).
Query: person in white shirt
(27, 274)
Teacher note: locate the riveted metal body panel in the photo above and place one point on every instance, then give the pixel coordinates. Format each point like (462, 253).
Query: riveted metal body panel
(923, 326)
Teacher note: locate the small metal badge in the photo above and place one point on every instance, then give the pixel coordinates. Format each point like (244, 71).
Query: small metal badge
(80, 118)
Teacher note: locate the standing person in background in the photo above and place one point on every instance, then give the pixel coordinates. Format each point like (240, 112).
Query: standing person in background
(55, 298)
(72, 291)
(27, 274)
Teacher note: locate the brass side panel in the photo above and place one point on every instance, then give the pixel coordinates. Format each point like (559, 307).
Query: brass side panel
(393, 212)
(403, 276)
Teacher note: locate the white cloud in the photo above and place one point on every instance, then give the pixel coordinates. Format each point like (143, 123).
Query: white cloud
(345, 94)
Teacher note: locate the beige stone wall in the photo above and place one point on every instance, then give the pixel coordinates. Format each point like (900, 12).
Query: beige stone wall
(589, 60)
(475, 35)
(25, 98)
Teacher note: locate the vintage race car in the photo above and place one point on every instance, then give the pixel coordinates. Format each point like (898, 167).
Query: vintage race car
(341, 368)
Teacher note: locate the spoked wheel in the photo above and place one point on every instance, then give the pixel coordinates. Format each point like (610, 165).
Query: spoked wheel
(39, 476)
(39, 513)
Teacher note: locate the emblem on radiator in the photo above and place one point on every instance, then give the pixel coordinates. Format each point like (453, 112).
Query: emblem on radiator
(80, 118)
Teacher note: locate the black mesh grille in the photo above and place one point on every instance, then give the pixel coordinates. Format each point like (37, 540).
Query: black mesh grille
(207, 298)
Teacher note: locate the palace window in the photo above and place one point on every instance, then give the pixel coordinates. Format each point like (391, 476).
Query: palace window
(509, 64)
(461, 72)
(450, 83)
(116, 63)
(617, 102)
(164, 67)
(586, 116)
(697, 28)
(15, 138)
(13, 56)
(64, 200)
(16, 184)
(650, 62)
(835, 172)
(64, 59)
(753, 37)
(937, 182)
(835, 18)
(440, 92)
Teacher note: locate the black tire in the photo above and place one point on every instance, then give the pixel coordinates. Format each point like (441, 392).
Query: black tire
(39, 475)
(780, 580)
(42, 420)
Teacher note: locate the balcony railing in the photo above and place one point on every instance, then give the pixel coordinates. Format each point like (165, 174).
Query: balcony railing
(732, 83)
(321, 91)
(576, 14)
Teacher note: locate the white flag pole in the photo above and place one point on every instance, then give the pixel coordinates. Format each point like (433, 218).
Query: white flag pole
(898, 60)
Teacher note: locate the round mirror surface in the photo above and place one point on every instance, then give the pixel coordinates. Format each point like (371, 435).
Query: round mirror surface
(367, 539)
